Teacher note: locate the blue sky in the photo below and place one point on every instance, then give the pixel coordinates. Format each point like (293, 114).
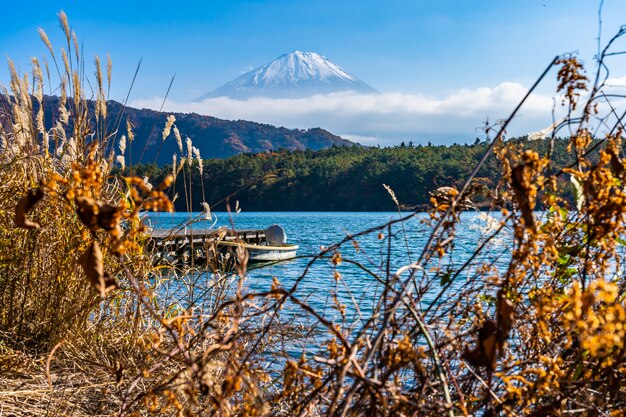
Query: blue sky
(429, 50)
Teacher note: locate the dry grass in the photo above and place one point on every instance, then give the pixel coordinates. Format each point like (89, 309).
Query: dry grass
(68, 387)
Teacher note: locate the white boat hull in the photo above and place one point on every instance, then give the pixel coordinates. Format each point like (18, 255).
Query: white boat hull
(265, 253)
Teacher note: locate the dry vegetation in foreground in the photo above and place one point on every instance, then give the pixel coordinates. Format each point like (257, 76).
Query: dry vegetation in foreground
(88, 326)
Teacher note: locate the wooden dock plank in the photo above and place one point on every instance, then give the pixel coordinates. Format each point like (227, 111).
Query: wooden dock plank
(197, 233)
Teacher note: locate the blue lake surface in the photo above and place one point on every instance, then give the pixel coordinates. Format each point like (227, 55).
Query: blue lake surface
(356, 289)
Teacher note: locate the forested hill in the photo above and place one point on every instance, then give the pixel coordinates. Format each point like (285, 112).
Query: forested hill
(335, 179)
(215, 138)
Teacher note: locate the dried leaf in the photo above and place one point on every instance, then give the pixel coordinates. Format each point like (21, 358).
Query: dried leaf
(92, 263)
(108, 216)
(521, 195)
(505, 311)
(492, 336)
(616, 163)
(589, 189)
(95, 213)
(24, 206)
(87, 211)
(484, 354)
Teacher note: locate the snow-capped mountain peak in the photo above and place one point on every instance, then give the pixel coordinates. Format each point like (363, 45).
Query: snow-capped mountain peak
(299, 66)
(297, 74)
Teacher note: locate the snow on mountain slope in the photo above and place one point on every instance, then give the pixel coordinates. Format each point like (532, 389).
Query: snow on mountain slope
(298, 74)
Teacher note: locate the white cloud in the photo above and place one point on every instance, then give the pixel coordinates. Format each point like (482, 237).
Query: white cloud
(384, 118)
(616, 82)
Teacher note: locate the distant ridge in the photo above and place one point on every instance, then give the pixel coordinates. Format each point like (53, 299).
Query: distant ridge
(293, 75)
(215, 138)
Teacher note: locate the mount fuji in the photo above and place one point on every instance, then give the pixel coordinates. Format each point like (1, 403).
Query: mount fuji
(294, 75)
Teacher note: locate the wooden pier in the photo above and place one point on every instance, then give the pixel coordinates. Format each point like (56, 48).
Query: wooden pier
(198, 247)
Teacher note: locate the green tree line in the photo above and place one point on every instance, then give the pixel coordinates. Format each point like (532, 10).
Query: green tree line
(341, 178)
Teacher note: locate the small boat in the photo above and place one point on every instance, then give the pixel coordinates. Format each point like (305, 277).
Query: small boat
(263, 253)
(269, 245)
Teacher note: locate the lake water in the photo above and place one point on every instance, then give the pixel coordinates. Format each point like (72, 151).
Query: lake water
(356, 289)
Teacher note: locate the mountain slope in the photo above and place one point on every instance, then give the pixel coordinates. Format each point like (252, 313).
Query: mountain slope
(215, 138)
(298, 74)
